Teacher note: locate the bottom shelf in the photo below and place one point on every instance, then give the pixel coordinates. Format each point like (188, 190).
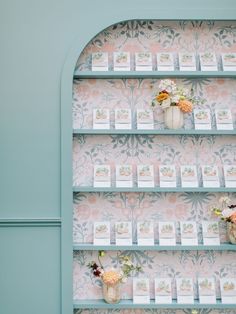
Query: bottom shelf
(128, 304)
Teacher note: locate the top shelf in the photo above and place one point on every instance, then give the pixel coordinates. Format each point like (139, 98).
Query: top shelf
(152, 74)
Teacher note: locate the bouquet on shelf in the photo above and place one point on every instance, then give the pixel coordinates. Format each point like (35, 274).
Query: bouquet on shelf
(171, 95)
(225, 211)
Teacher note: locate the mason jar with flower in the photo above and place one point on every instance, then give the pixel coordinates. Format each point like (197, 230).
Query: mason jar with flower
(174, 101)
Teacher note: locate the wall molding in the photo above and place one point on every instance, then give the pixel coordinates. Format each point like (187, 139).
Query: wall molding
(30, 222)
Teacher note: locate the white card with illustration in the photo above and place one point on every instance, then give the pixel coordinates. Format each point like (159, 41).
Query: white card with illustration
(100, 61)
(167, 176)
(165, 61)
(145, 174)
(210, 176)
(187, 61)
(102, 176)
(101, 118)
(123, 119)
(210, 232)
(185, 293)
(229, 61)
(145, 119)
(145, 232)
(208, 61)
(121, 61)
(228, 290)
(188, 230)
(230, 176)
(224, 119)
(123, 231)
(163, 291)
(143, 61)
(101, 233)
(207, 290)
(141, 291)
(202, 119)
(124, 176)
(189, 176)
(166, 233)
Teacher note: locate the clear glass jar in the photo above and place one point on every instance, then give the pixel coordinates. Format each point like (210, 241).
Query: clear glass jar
(111, 293)
(231, 232)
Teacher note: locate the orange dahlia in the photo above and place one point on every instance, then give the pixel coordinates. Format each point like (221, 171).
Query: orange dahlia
(185, 105)
(162, 96)
(111, 277)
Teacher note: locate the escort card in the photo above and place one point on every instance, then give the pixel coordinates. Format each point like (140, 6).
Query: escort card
(102, 176)
(208, 61)
(101, 119)
(210, 176)
(145, 232)
(121, 61)
(163, 292)
(185, 290)
(165, 61)
(145, 176)
(210, 232)
(167, 176)
(202, 119)
(228, 290)
(101, 233)
(230, 176)
(224, 119)
(124, 176)
(187, 62)
(123, 233)
(145, 119)
(100, 61)
(229, 61)
(189, 177)
(143, 61)
(188, 230)
(207, 290)
(141, 290)
(123, 119)
(167, 233)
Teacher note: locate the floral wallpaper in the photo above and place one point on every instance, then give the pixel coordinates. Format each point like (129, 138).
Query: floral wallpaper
(88, 94)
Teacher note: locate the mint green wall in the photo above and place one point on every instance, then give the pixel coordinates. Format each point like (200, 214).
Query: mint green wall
(35, 38)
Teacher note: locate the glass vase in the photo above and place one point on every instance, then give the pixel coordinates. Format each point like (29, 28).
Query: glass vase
(112, 293)
(231, 232)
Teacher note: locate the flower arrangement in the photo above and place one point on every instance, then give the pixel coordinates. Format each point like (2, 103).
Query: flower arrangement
(171, 95)
(226, 211)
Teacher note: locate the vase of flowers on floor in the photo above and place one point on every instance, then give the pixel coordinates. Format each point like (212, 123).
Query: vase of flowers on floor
(227, 212)
(174, 101)
(111, 278)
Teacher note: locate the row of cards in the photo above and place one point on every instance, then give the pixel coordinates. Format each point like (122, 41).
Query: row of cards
(166, 231)
(165, 61)
(145, 119)
(167, 175)
(185, 290)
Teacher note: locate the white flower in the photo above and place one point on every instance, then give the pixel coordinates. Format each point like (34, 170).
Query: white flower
(224, 200)
(123, 279)
(175, 98)
(226, 212)
(166, 103)
(167, 85)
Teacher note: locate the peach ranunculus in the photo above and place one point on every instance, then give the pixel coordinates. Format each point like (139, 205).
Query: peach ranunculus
(162, 96)
(111, 277)
(233, 218)
(185, 105)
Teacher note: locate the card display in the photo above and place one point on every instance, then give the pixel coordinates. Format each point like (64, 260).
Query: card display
(188, 231)
(145, 232)
(143, 61)
(141, 290)
(101, 118)
(208, 61)
(167, 233)
(229, 61)
(165, 61)
(145, 175)
(210, 176)
(187, 62)
(100, 61)
(207, 292)
(163, 290)
(102, 176)
(121, 61)
(202, 119)
(123, 231)
(145, 119)
(101, 234)
(230, 176)
(224, 119)
(228, 290)
(167, 176)
(184, 290)
(123, 119)
(210, 232)
(124, 176)
(189, 176)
